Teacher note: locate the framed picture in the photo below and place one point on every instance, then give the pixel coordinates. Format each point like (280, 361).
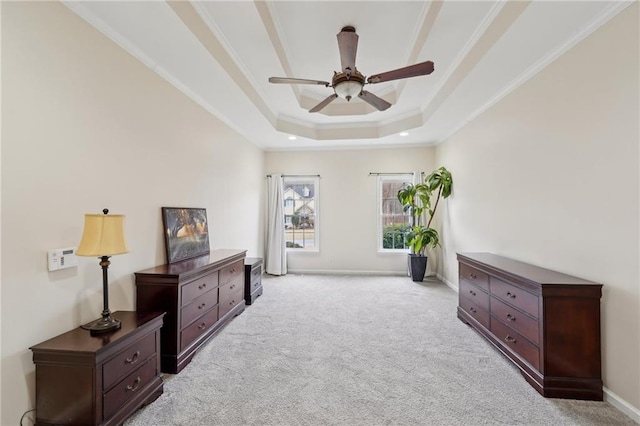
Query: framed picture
(186, 233)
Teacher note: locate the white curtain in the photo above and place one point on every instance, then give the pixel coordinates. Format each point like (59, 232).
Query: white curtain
(275, 253)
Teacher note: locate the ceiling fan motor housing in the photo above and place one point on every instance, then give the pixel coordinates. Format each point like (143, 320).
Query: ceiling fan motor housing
(347, 85)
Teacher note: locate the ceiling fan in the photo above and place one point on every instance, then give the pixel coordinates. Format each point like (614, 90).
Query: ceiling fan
(349, 82)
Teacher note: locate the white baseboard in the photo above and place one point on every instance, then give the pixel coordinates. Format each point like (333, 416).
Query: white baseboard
(622, 405)
(447, 282)
(342, 272)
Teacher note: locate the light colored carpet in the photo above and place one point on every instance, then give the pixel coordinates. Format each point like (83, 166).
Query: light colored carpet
(347, 350)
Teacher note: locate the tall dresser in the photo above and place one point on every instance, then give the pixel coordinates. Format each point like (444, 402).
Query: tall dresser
(547, 323)
(199, 296)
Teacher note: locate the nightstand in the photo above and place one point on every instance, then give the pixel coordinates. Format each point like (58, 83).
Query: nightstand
(252, 279)
(98, 380)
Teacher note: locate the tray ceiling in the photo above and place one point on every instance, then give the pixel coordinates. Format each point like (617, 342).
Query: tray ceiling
(221, 54)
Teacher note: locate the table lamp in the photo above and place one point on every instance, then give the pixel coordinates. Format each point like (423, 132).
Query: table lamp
(103, 237)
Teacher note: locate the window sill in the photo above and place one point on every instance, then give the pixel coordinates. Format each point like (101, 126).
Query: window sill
(303, 251)
(393, 252)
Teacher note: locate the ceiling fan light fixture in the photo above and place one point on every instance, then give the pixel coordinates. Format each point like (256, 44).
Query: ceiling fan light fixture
(348, 89)
(346, 85)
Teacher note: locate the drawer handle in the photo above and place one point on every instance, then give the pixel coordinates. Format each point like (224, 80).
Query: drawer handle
(135, 384)
(201, 286)
(256, 284)
(232, 302)
(511, 295)
(202, 306)
(232, 270)
(232, 287)
(472, 310)
(472, 276)
(473, 293)
(202, 326)
(510, 339)
(511, 317)
(133, 359)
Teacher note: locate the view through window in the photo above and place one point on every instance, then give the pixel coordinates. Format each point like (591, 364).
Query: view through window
(301, 213)
(393, 222)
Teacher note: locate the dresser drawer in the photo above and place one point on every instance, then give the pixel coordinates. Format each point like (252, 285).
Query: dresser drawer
(230, 272)
(198, 328)
(198, 287)
(474, 294)
(473, 276)
(128, 360)
(230, 302)
(231, 288)
(517, 320)
(198, 307)
(130, 386)
(515, 296)
(514, 340)
(479, 314)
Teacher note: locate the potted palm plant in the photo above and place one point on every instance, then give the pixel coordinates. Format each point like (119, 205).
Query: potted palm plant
(416, 199)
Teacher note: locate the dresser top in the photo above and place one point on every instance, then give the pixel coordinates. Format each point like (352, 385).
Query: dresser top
(209, 261)
(529, 272)
(80, 340)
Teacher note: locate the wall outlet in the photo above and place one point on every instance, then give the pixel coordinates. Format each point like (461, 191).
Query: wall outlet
(62, 258)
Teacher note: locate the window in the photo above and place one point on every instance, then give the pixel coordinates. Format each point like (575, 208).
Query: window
(301, 213)
(393, 223)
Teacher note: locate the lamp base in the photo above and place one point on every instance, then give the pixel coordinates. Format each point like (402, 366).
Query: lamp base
(103, 325)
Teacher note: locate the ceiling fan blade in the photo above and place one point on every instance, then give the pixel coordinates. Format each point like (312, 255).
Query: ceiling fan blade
(376, 102)
(423, 68)
(348, 45)
(286, 80)
(324, 103)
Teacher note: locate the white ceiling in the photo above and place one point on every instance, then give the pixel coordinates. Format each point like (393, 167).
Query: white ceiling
(221, 54)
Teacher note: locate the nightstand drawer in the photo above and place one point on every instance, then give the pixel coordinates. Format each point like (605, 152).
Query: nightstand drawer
(128, 360)
(198, 307)
(515, 296)
(199, 287)
(129, 387)
(198, 328)
(230, 272)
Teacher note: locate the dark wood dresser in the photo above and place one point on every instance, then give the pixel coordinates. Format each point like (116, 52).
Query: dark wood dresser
(252, 279)
(199, 295)
(98, 380)
(547, 323)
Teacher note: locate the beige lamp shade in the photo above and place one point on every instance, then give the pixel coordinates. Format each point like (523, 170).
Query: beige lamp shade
(103, 235)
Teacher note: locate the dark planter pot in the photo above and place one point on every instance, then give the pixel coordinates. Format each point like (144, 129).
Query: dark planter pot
(417, 267)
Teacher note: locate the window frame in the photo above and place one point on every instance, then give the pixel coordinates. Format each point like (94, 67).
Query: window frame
(315, 180)
(381, 179)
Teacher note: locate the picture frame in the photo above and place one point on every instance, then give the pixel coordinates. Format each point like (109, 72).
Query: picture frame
(186, 233)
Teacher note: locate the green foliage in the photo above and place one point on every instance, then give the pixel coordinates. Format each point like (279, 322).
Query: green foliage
(394, 236)
(295, 220)
(416, 199)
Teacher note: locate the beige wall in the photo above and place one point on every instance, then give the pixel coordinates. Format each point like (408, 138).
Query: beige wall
(347, 211)
(87, 126)
(549, 176)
